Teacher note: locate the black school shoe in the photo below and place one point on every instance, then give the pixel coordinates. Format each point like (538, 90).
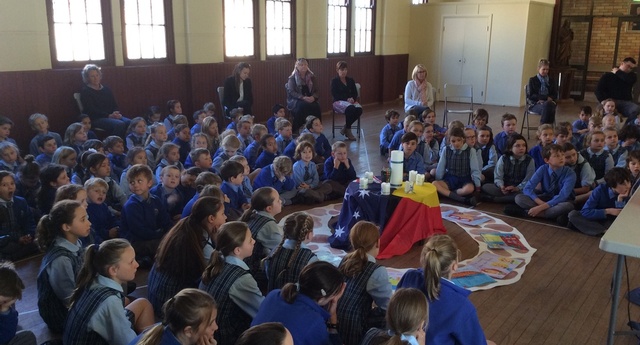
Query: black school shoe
(563, 220)
(515, 211)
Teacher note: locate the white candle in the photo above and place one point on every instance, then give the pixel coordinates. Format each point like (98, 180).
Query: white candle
(407, 186)
(420, 179)
(412, 175)
(385, 188)
(395, 163)
(364, 183)
(369, 175)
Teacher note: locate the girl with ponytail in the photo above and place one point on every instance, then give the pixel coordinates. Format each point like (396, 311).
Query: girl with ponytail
(288, 259)
(180, 260)
(452, 317)
(269, 333)
(99, 312)
(406, 318)
(189, 318)
(307, 308)
(58, 234)
(227, 279)
(367, 282)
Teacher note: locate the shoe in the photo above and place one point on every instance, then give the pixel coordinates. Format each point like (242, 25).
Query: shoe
(486, 197)
(471, 201)
(514, 211)
(347, 133)
(563, 220)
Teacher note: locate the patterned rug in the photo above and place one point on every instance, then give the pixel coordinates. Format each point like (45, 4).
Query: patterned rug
(491, 267)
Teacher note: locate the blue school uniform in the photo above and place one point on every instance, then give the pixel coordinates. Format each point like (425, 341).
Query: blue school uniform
(235, 195)
(306, 173)
(341, 175)
(172, 199)
(251, 153)
(244, 142)
(500, 141)
(134, 140)
(579, 125)
(414, 162)
(267, 178)
(396, 140)
(118, 163)
(386, 134)
(247, 188)
(144, 220)
(265, 158)
(197, 128)
(271, 125)
(452, 317)
(557, 185)
(536, 154)
(12, 167)
(102, 220)
(33, 145)
(602, 198)
(323, 148)
(283, 143)
(185, 148)
(290, 150)
(458, 167)
(44, 159)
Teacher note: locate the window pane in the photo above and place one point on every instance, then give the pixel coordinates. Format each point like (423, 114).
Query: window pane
(77, 30)
(157, 9)
(96, 44)
(133, 42)
(94, 12)
(78, 11)
(238, 28)
(337, 26)
(144, 11)
(363, 32)
(159, 42)
(278, 27)
(131, 12)
(61, 11)
(146, 34)
(63, 42)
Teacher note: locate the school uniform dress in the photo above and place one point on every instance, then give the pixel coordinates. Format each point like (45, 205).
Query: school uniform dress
(557, 190)
(304, 318)
(458, 167)
(285, 265)
(283, 142)
(99, 317)
(33, 145)
(452, 317)
(510, 171)
(601, 162)
(592, 219)
(372, 284)
(268, 235)
(152, 152)
(134, 140)
(57, 280)
(500, 142)
(265, 158)
(238, 298)
(251, 153)
(386, 134)
(488, 158)
(162, 286)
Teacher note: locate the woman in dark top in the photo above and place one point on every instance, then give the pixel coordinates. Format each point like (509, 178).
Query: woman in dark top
(345, 99)
(237, 89)
(302, 94)
(98, 102)
(542, 94)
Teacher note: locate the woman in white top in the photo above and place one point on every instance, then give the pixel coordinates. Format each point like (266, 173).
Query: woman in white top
(418, 94)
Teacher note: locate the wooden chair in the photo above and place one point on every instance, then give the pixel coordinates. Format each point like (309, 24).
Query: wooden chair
(457, 92)
(333, 118)
(220, 91)
(100, 132)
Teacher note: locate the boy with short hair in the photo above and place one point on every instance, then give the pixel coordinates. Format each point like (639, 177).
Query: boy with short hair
(103, 222)
(168, 193)
(278, 112)
(183, 140)
(201, 158)
(279, 176)
(198, 117)
(585, 176)
(458, 173)
(604, 204)
(232, 174)
(247, 188)
(395, 141)
(203, 179)
(85, 120)
(17, 225)
(323, 148)
(118, 159)
(338, 168)
(244, 132)
(187, 184)
(11, 287)
(145, 220)
(47, 147)
(5, 129)
(178, 120)
(228, 148)
(251, 152)
(386, 134)
(581, 125)
(269, 151)
(412, 159)
(554, 198)
(234, 114)
(285, 132)
(40, 124)
(562, 135)
(508, 122)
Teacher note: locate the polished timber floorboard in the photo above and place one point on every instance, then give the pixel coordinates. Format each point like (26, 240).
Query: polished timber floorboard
(562, 298)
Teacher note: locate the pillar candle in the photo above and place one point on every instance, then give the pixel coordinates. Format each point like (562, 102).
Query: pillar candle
(420, 179)
(412, 175)
(385, 188)
(396, 165)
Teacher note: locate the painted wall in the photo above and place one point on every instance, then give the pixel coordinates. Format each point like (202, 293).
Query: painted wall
(520, 32)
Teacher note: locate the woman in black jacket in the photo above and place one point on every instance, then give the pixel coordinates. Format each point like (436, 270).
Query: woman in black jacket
(237, 89)
(542, 94)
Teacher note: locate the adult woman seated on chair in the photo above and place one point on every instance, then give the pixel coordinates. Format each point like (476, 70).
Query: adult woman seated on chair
(345, 99)
(237, 89)
(302, 94)
(100, 104)
(542, 94)
(418, 94)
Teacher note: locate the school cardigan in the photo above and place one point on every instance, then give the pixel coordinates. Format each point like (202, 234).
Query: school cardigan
(500, 142)
(265, 158)
(251, 153)
(144, 220)
(102, 220)
(452, 317)
(386, 134)
(536, 154)
(99, 317)
(267, 178)
(304, 318)
(602, 197)
(277, 267)
(235, 195)
(560, 189)
(414, 162)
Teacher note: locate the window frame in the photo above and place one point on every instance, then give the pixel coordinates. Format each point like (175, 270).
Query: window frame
(107, 36)
(373, 30)
(348, 5)
(293, 35)
(256, 36)
(168, 35)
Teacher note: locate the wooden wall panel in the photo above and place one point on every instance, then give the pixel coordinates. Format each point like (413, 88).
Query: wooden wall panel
(136, 88)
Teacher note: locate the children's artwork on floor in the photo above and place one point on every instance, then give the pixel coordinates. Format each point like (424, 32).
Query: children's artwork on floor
(468, 218)
(502, 265)
(503, 252)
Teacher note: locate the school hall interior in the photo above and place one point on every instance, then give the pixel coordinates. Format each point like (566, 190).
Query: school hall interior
(564, 294)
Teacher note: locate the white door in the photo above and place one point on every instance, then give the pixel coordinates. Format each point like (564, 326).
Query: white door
(465, 53)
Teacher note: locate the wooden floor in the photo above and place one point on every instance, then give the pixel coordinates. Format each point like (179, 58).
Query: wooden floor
(562, 298)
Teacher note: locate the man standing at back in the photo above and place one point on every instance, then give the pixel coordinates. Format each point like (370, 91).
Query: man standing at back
(618, 84)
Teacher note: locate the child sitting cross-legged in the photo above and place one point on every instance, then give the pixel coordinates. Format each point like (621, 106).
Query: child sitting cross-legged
(395, 142)
(458, 174)
(513, 170)
(386, 134)
(604, 204)
(290, 150)
(554, 198)
(104, 223)
(137, 133)
(306, 176)
(278, 111)
(338, 168)
(278, 176)
(232, 174)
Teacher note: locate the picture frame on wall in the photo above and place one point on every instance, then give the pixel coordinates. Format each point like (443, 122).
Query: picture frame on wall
(634, 10)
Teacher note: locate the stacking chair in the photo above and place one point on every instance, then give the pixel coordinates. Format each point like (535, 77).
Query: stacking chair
(527, 112)
(457, 92)
(333, 118)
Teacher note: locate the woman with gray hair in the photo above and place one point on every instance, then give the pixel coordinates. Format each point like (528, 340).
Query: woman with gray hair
(100, 104)
(302, 94)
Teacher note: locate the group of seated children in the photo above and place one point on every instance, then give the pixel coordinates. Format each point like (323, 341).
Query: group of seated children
(555, 179)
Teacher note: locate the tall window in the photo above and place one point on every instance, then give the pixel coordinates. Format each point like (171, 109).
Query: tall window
(80, 31)
(338, 27)
(364, 25)
(279, 28)
(418, 2)
(146, 28)
(240, 28)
